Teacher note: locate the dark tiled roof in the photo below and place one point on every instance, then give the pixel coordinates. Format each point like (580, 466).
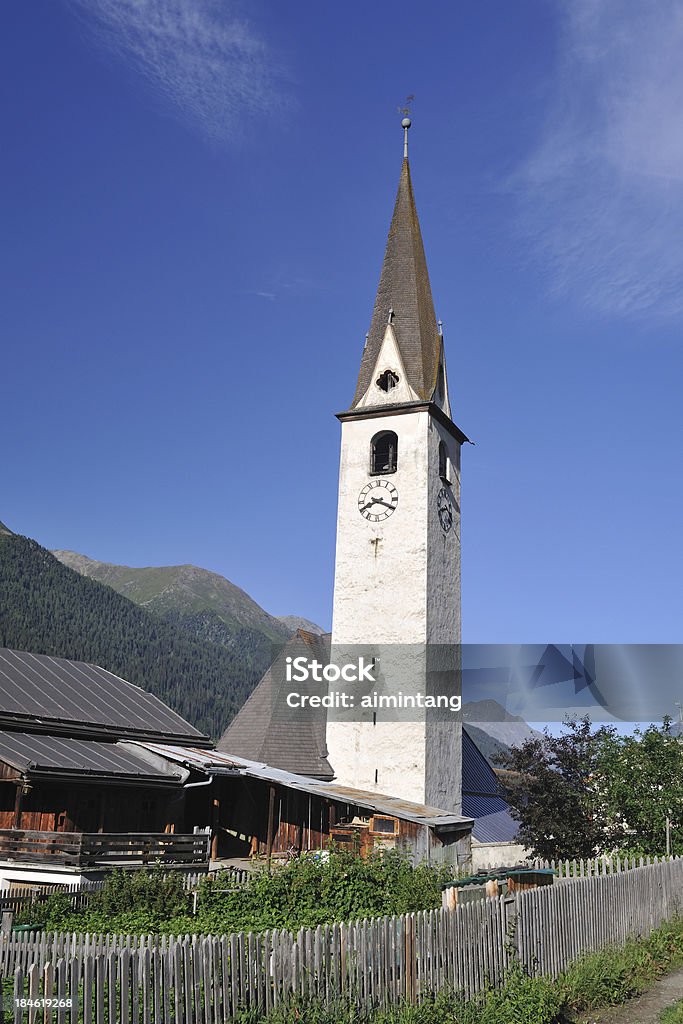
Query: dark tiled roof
(44, 694)
(40, 754)
(266, 730)
(482, 797)
(404, 287)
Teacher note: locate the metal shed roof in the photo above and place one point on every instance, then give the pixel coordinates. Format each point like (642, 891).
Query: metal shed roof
(493, 822)
(46, 694)
(213, 762)
(56, 756)
(482, 797)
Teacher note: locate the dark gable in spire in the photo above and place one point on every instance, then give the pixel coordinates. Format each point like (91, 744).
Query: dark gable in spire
(404, 288)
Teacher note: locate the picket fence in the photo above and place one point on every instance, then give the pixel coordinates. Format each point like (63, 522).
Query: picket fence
(596, 866)
(380, 962)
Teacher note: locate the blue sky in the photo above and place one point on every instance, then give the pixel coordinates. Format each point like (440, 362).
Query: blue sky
(195, 198)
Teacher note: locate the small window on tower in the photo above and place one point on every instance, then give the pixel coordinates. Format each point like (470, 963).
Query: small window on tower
(384, 452)
(387, 381)
(443, 461)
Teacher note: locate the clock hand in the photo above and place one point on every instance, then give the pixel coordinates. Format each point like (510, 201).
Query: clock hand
(369, 504)
(378, 501)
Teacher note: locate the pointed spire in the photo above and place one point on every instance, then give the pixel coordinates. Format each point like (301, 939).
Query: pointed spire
(404, 290)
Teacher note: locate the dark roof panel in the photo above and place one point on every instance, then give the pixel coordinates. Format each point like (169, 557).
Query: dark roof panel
(39, 690)
(477, 774)
(493, 822)
(267, 730)
(31, 754)
(482, 797)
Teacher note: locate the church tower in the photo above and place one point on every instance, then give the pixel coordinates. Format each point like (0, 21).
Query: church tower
(397, 571)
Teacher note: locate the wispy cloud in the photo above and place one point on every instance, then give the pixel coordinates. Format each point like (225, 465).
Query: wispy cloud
(602, 194)
(209, 63)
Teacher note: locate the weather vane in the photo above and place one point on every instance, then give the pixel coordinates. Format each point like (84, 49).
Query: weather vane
(405, 123)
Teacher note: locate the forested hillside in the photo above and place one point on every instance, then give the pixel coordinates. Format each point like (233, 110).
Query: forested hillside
(48, 608)
(202, 603)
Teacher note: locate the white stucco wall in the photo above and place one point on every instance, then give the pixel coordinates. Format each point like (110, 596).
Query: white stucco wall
(397, 584)
(497, 855)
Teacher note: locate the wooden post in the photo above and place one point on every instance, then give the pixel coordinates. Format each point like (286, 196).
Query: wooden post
(18, 801)
(449, 898)
(271, 825)
(215, 821)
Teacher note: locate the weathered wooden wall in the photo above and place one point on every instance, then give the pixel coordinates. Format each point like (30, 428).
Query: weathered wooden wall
(96, 807)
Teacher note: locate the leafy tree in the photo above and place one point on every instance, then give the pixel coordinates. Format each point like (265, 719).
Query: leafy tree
(553, 792)
(641, 779)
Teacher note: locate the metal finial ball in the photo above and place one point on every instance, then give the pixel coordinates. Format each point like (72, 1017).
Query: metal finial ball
(406, 122)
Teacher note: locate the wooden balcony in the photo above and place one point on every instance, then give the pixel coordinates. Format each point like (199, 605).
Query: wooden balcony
(81, 849)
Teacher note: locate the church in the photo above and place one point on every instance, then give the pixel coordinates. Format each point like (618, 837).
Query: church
(397, 569)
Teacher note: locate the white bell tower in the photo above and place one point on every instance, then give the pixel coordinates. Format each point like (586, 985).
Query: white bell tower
(397, 571)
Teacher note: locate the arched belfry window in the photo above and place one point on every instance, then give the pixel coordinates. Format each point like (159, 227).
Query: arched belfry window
(384, 452)
(443, 461)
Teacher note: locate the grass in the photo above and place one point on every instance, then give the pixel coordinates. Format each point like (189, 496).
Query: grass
(672, 1014)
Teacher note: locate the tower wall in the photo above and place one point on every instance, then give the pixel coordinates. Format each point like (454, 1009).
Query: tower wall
(397, 585)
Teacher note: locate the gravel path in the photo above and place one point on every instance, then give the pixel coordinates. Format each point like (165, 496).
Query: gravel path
(644, 1009)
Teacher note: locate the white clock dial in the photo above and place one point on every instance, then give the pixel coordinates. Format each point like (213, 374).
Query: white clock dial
(377, 500)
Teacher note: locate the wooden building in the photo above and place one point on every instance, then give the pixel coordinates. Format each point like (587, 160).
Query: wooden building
(71, 776)
(260, 810)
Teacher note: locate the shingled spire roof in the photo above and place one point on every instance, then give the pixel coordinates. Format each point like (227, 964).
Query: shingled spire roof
(404, 290)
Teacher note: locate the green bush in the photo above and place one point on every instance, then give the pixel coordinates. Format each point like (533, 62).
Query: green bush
(303, 893)
(133, 902)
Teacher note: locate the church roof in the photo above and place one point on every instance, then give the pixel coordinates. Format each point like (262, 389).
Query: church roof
(267, 730)
(404, 288)
(482, 797)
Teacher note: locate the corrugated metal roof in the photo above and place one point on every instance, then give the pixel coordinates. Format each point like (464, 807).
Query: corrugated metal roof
(493, 822)
(477, 774)
(482, 797)
(42, 693)
(213, 762)
(38, 754)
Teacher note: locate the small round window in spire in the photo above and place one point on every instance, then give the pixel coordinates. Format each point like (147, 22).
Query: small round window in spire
(387, 381)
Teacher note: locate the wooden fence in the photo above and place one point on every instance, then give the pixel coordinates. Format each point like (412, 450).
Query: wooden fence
(596, 865)
(206, 980)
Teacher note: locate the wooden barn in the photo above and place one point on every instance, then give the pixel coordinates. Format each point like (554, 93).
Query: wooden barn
(76, 793)
(264, 811)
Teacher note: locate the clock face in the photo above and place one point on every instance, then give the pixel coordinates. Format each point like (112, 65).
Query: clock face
(444, 504)
(377, 500)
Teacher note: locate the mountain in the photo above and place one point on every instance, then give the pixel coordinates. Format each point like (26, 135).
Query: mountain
(48, 608)
(294, 622)
(493, 729)
(193, 598)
